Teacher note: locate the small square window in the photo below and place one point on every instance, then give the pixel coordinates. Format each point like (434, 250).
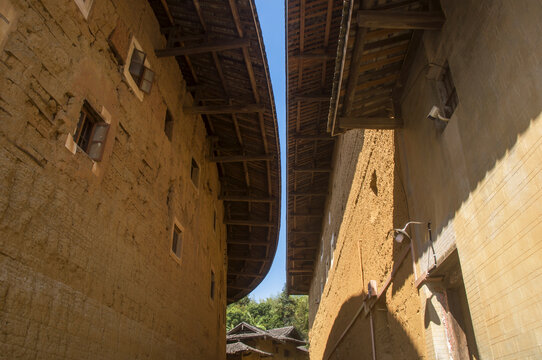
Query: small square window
(168, 125)
(286, 353)
(91, 132)
(142, 75)
(448, 94)
(212, 293)
(176, 243)
(194, 172)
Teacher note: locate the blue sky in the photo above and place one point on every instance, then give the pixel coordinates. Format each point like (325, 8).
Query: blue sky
(271, 15)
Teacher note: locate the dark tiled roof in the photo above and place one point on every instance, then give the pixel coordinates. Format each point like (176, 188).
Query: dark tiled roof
(247, 331)
(240, 348)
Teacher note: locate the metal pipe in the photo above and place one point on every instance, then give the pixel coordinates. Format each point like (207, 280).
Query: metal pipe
(372, 335)
(432, 247)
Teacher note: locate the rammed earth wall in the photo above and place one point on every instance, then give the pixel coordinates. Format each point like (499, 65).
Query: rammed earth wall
(367, 200)
(86, 269)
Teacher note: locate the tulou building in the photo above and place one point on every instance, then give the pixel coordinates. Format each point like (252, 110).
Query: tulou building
(139, 175)
(414, 177)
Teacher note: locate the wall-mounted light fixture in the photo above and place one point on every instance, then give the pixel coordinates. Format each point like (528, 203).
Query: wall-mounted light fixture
(400, 234)
(434, 114)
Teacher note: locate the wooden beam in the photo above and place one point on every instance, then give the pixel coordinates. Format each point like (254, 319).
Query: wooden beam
(314, 56)
(224, 109)
(312, 170)
(249, 222)
(300, 259)
(236, 287)
(382, 62)
(246, 258)
(217, 45)
(247, 242)
(315, 97)
(302, 247)
(423, 20)
(394, 41)
(168, 13)
(380, 81)
(353, 122)
(308, 193)
(237, 273)
(314, 137)
(399, 87)
(354, 70)
(307, 215)
(305, 232)
(247, 198)
(240, 158)
(173, 31)
(300, 271)
(385, 52)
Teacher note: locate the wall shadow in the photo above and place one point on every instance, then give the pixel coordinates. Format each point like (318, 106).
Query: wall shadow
(494, 112)
(390, 339)
(400, 218)
(346, 180)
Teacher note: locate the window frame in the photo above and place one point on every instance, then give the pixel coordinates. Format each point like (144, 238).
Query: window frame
(135, 45)
(212, 289)
(169, 123)
(176, 225)
(447, 91)
(139, 72)
(214, 220)
(195, 183)
(88, 115)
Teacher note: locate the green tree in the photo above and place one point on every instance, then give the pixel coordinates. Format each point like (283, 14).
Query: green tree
(274, 312)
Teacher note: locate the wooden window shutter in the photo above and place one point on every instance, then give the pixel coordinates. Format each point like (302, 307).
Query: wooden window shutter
(137, 65)
(146, 80)
(97, 141)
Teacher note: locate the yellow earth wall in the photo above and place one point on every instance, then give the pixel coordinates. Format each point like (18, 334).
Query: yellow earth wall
(479, 180)
(367, 200)
(86, 269)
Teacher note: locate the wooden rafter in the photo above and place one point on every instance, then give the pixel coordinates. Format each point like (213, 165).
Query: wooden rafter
(224, 109)
(304, 232)
(312, 169)
(313, 97)
(314, 56)
(308, 193)
(400, 20)
(248, 242)
(354, 71)
(299, 214)
(201, 48)
(313, 137)
(200, 45)
(240, 158)
(247, 198)
(241, 273)
(369, 122)
(249, 222)
(168, 12)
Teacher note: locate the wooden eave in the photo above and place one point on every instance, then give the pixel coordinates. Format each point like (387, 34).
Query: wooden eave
(220, 51)
(365, 80)
(312, 33)
(378, 42)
